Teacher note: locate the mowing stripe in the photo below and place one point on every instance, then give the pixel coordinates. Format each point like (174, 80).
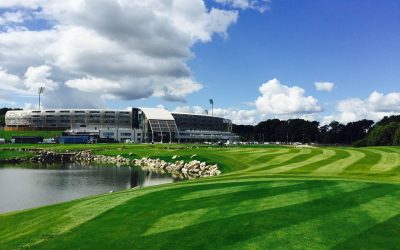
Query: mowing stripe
(363, 165)
(309, 168)
(387, 162)
(229, 190)
(272, 159)
(281, 159)
(168, 222)
(338, 166)
(70, 218)
(318, 232)
(326, 153)
(267, 156)
(296, 160)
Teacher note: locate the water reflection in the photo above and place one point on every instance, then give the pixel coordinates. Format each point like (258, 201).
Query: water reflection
(30, 185)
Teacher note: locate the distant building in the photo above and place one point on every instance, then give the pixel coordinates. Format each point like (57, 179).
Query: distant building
(136, 124)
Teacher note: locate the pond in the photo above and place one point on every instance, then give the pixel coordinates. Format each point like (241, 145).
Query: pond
(29, 185)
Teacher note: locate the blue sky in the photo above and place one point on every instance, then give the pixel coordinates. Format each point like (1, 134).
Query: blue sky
(352, 44)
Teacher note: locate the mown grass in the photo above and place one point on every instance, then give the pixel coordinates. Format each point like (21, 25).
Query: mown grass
(45, 134)
(10, 154)
(267, 198)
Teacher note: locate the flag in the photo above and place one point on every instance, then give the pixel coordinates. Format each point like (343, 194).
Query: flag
(211, 101)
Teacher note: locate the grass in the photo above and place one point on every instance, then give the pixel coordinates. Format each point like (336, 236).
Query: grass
(10, 154)
(267, 198)
(45, 134)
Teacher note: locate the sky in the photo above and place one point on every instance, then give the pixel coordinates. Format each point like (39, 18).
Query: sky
(257, 59)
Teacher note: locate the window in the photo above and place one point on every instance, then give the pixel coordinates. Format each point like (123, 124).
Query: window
(50, 111)
(126, 134)
(94, 112)
(36, 111)
(64, 111)
(108, 134)
(79, 112)
(163, 126)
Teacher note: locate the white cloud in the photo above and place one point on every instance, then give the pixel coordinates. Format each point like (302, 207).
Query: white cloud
(9, 82)
(142, 52)
(237, 116)
(279, 99)
(36, 77)
(92, 84)
(260, 5)
(190, 109)
(11, 17)
(385, 103)
(375, 107)
(324, 86)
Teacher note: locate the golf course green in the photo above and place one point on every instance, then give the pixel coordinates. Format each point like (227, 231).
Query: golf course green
(268, 197)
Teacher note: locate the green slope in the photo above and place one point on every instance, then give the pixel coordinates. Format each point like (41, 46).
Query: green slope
(268, 198)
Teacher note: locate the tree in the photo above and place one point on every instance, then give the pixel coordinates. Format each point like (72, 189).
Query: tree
(382, 135)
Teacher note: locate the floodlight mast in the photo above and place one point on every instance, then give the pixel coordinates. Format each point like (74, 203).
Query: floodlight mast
(212, 107)
(40, 91)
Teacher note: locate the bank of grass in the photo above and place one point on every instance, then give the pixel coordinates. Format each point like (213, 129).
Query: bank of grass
(45, 134)
(11, 154)
(267, 198)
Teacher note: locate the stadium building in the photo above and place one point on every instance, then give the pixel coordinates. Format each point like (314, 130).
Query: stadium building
(135, 124)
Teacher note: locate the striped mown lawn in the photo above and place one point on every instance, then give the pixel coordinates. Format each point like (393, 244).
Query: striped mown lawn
(267, 198)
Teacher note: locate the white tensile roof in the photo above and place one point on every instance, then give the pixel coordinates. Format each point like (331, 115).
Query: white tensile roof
(157, 114)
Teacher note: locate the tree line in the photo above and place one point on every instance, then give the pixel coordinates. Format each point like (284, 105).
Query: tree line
(359, 133)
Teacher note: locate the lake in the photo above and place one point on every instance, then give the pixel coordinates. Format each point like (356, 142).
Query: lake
(29, 185)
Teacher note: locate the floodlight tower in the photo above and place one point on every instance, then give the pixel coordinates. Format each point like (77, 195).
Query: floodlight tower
(40, 92)
(212, 107)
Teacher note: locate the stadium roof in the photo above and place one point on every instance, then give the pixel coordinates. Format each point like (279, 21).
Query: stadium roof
(157, 114)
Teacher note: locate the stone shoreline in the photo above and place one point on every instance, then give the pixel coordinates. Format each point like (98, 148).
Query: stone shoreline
(179, 169)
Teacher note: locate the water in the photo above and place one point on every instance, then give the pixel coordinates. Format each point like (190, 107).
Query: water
(27, 185)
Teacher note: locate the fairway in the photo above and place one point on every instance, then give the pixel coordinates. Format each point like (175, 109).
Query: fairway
(268, 197)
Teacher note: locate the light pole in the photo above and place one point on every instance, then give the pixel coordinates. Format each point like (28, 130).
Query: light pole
(212, 107)
(40, 91)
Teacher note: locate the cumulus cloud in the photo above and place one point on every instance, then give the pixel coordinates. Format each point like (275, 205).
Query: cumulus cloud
(34, 78)
(375, 107)
(324, 86)
(11, 18)
(260, 5)
(237, 116)
(142, 52)
(9, 82)
(279, 99)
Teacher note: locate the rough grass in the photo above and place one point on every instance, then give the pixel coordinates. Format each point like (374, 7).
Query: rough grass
(267, 198)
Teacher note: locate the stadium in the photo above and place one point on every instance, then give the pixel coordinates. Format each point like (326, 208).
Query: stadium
(142, 125)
